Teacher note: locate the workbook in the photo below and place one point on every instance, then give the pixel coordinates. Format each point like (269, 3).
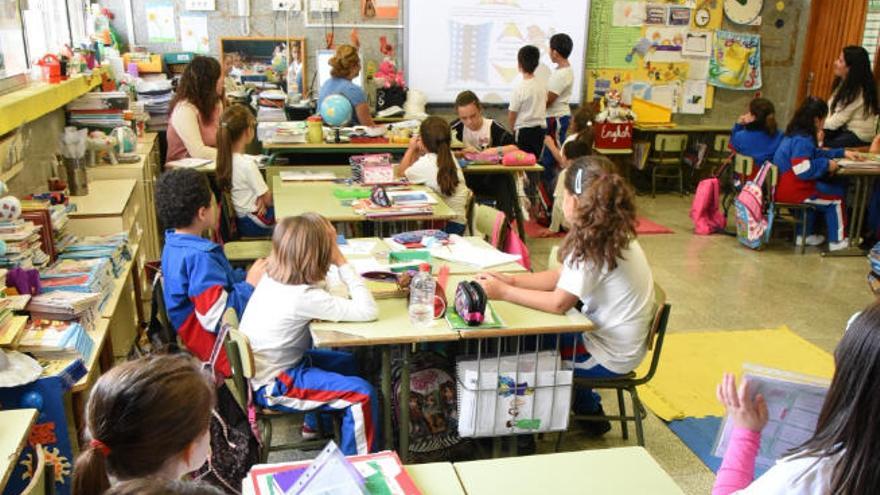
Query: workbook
(306, 175)
(794, 402)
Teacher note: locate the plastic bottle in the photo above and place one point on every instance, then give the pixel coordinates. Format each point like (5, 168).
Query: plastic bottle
(421, 297)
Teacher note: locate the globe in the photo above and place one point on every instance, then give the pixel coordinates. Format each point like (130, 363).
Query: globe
(336, 110)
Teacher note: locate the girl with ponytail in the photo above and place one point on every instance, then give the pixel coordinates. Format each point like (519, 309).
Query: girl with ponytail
(756, 133)
(603, 268)
(145, 418)
(238, 174)
(429, 160)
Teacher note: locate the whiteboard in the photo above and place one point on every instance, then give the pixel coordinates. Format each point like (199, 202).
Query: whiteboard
(454, 45)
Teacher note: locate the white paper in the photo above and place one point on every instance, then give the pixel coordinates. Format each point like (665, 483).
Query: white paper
(357, 247)
(411, 197)
(666, 95)
(462, 251)
(628, 13)
(666, 43)
(699, 68)
(693, 99)
(697, 44)
(194, 33)
(160, 21)
(364, 265)
(189, 163)
(306, 175)
(793, 402)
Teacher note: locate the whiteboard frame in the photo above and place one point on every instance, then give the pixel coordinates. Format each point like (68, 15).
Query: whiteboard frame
(583, 72)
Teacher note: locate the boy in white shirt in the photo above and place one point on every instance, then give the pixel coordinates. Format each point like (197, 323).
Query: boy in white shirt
(558, 96)
(528, 104)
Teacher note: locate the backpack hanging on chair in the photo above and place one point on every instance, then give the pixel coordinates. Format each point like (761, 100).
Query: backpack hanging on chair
(753, 225)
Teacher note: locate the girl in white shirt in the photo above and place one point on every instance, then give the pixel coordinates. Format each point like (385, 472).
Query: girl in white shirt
(239, 175)
(428, 160)
(603, 268)
(293, 292)
(841, 457)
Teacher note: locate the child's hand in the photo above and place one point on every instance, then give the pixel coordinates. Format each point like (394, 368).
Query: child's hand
(853, 155)
(875, 144)
(492, 285)
(745, 411)
(820, 137)
(549, 141)
(833, 167)
(470, 149)
(507, 279)
(746, 118)
(255, 273)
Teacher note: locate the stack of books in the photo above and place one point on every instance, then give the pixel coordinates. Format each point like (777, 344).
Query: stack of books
(63, 305)
(115, 248)
(99, 109)
(11, 326)
(156, 94)
(23, 245)
(282, 132)
(88, 275)
(60, 218)
(56, 339)
(270, 106)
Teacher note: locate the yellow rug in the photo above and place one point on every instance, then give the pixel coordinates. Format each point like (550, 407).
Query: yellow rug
(692, 364)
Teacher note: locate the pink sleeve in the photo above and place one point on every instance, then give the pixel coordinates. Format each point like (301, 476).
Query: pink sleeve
(738, 468)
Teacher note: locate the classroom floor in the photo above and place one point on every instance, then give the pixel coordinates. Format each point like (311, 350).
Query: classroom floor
(714, 284)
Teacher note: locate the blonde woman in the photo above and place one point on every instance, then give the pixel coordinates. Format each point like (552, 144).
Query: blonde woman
(289, 375)
(345, 66)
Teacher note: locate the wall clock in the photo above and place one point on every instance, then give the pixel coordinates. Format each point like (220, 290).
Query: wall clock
(702, 17)
(743, 11)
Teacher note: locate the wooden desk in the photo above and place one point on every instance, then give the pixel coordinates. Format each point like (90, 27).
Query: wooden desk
(252, 250)
(692, 128)
(438, 478)
(629, 470)
(296, 198)
(864, 186)
(274, 150)
(15, 427)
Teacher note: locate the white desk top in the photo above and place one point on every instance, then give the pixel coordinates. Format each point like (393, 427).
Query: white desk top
(15, 426)
(627, 470)
(106, 198)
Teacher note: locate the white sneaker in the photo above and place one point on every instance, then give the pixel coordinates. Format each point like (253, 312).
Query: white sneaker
(812, 240)
(837, 246)
(307, 433)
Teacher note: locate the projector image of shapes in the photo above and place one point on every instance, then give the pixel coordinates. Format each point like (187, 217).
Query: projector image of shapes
(469, 46)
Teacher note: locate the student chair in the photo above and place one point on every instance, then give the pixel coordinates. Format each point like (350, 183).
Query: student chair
(485, 220)
(243, 253)
(160, 332)
(43, 480)
(791, 213)
(630, 381)
(667, 159)
(719, 152)
(241, 360)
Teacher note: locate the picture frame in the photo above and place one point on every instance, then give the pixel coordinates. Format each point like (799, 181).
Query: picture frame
(257, 59)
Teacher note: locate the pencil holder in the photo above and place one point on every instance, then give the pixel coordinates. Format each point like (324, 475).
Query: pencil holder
(77, 180)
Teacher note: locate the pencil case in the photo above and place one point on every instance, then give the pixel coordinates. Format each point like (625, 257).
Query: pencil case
(470, 302)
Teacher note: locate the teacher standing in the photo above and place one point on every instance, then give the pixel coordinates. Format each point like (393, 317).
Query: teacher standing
(854, 106)
(195, 111)
(345, 65)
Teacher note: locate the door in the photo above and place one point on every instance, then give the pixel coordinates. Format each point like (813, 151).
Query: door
(834, 24)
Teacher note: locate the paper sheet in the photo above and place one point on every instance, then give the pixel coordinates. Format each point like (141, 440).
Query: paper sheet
(793, 402)
(693, 100)
(194, 33)
(697, 44)
(160, 21)
(666, 43)
(679, 16)
(628, 14)
(656, 14)
(736, 61)
(357, 247)
(610, 47)
(462, 251)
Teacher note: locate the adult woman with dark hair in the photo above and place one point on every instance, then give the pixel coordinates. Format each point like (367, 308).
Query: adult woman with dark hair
(345, 66)
(854, 105)
(841, 457)
(195, 111)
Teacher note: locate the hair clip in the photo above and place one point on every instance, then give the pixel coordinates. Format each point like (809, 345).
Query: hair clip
(578, 182)
(224, 124)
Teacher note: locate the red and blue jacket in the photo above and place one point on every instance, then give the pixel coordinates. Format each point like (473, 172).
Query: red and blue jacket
(756, 144)
(199, 284)
(803, 169)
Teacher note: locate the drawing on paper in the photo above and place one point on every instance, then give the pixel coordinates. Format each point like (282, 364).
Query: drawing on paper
(736, 61)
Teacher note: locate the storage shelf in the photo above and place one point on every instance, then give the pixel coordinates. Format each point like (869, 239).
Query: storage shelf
(38, 99)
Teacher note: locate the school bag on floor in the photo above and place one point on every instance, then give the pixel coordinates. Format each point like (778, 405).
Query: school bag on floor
(753, 225)
(705, 209)
(433, 405)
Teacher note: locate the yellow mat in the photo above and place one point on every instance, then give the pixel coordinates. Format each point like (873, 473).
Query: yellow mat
(692, 364)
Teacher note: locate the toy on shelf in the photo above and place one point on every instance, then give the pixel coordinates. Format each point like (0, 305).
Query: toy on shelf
(614, 124)
(390, 84)
(99, 143)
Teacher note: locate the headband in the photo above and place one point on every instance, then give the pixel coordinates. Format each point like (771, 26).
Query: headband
(579, 182)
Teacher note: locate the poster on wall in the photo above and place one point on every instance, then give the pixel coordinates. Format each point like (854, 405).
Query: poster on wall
(160, 21)
(194, 34)
(736, 61)
(380, 9)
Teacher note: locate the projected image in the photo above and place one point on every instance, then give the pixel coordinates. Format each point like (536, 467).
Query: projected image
(469, 45)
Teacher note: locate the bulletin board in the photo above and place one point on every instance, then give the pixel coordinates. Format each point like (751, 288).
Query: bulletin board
(659, 50)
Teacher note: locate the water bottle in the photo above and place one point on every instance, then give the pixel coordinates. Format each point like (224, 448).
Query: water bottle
(421, 297)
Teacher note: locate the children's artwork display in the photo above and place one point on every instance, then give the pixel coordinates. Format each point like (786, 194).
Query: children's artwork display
(736, 61)
(160, 21)
(194, 33)
(266, 60)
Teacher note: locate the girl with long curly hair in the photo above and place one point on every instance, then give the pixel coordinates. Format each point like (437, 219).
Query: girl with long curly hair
(604, 274)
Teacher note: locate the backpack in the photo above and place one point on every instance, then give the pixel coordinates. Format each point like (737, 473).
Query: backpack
(433, 404)
(753, 226)
(234, 446)
(705, 209)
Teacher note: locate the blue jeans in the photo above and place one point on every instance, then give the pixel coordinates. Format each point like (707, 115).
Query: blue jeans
(252, 225)
(454, 228)
(557, 128)
(586, 401)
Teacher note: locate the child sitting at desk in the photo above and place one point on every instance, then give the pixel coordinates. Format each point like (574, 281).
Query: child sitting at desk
(198, 282)
(145, 418)
(604, 269)
(806, 174)
(293, 292)
(755, 134)
(574, 149)
(239, 175)
(428, 160)
(841, 456)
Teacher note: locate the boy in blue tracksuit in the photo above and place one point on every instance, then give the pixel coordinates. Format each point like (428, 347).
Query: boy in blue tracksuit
(199, 283)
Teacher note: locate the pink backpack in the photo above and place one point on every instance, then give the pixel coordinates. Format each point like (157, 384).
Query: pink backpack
(513, 244)
(752, 225)
(705, 209)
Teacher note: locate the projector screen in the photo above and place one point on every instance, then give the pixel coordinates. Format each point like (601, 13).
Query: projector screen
(454, 45)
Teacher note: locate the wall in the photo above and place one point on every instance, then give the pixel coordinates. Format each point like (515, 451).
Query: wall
(782, 49)
(39, 140)
(265, 22)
